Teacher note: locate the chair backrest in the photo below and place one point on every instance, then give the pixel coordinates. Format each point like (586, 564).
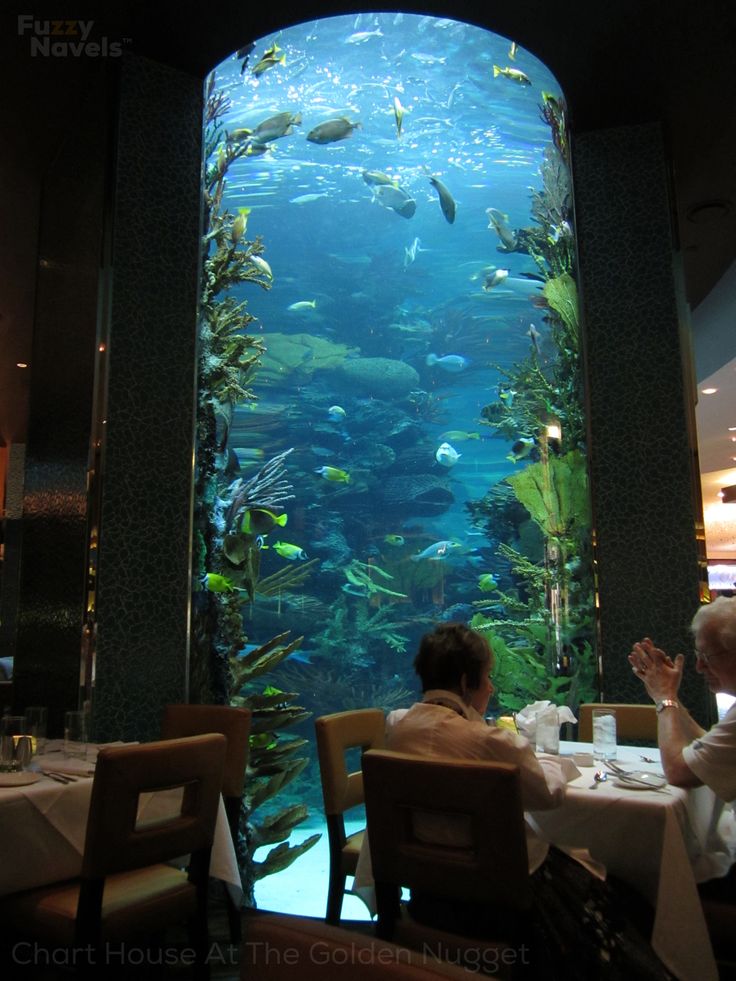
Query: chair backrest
(632, 721)
(405, 795)
(114, 843)
(233, 723)
(336, 734)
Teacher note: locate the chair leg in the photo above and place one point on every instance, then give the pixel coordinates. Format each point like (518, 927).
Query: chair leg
(233, 917)
(335, 893)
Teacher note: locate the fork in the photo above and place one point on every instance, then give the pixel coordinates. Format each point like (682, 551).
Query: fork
(58, 777)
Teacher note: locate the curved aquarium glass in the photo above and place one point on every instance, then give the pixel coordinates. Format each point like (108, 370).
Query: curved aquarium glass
(391, 424)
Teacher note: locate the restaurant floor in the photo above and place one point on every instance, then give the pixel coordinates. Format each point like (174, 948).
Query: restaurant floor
(224, 958)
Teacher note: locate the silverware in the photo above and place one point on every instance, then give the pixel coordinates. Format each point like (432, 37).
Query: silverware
(598, 777)
(56, 776)
(648, 759)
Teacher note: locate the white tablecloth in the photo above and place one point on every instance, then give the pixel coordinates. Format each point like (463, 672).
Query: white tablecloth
(662, 843)
(43, 826)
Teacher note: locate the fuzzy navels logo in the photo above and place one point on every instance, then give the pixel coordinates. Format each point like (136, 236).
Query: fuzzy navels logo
(66, 39)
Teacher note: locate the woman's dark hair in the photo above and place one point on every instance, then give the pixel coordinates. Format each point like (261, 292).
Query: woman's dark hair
(450, 651)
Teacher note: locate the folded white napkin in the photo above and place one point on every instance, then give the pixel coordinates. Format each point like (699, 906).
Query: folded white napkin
(526, 719)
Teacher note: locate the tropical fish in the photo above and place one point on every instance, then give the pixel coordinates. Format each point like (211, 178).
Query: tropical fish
(334, 473)
(307, 198)
(513, 73)
(507, 395)
(521, 449)
(513, 49)
(427, 59)
(458, 435)
(395, 198)
(257, 149)
(238, 135)
(259, 521)
(269, 58)
(332, 130)
(450, 362)
(493, 277)
(239, 225)
(447, 455)
(411, 252)
(336, 413)
(375, 178)
(288, 551)
(301, 306)
(487, 583)
(273, 128)
(395, 540)
(360, 37)
(245, 53)
(398, 114)
(535, 337)
(248, 454)
(497, 221)
(436, 552)
(219, 584)
(447, 202)
(261, 265)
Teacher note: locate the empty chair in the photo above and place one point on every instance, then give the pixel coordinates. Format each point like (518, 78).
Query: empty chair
(452, 832)
(125, 891)
(341, 790)
(632, 721)
(282, 948)
(234, 724)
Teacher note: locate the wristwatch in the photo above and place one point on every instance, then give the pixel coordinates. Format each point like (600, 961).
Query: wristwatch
(666, 703)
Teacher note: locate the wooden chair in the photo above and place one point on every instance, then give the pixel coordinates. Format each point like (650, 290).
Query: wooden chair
(632, 721)
(341, 790)
(283, 948)
(452, 832)
(234, 724)
(125, 891)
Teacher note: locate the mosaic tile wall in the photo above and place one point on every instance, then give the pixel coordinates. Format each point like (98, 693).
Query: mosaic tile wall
(642, 476)
(143, 593)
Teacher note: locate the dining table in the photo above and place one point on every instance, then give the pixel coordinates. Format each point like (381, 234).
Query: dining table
(43, 823)
(661, 840)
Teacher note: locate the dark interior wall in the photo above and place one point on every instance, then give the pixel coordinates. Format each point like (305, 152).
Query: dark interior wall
(53, 532)
(143, 583)
(642, 462)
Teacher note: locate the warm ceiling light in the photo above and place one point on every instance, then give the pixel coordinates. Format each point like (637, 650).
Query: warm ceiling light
(21, 364)
(708, 391)
(732, 429)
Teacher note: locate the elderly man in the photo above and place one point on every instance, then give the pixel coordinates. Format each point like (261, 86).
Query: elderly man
(690, 755)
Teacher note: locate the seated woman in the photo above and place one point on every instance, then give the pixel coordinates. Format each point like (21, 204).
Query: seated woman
(454, 665)
(581, 927)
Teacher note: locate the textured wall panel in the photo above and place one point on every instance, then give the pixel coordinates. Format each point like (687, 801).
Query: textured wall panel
(144, 559)
(641, 457)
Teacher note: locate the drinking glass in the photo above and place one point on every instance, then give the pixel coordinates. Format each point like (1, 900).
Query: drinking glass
(604, 734)
(13, 748)
(36, 726)
(548, 730)
(75, 734)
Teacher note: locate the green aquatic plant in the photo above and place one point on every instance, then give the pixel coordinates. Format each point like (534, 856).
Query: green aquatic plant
(541, 628)
(362, 577)
(226, 558)
(272, 765)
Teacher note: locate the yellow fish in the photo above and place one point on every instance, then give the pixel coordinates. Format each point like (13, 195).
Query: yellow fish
(458, 435)
(513, 73)
(259, 521)
(239, 225)
(334, 473)
(220, 584)
(270, 58)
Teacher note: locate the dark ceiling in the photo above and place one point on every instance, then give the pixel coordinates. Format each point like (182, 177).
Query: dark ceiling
(618, 63)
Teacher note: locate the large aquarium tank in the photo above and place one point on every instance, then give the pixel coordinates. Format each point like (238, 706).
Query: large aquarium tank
(391, 425)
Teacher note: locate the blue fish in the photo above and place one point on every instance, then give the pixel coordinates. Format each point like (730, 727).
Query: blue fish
(450, 362)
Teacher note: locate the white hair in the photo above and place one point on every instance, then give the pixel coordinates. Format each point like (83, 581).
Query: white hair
(718, 620)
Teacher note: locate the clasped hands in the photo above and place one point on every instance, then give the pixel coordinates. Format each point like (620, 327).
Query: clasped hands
(660, 674)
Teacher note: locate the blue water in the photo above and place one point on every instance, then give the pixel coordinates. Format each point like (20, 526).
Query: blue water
(383, 286)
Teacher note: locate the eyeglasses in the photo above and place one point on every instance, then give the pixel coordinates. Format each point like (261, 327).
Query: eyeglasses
(706, 658)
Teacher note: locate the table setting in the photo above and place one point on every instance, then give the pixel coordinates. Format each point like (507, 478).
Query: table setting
(44, 802)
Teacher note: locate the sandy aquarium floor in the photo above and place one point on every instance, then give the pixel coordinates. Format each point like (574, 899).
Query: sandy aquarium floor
(302, 888)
